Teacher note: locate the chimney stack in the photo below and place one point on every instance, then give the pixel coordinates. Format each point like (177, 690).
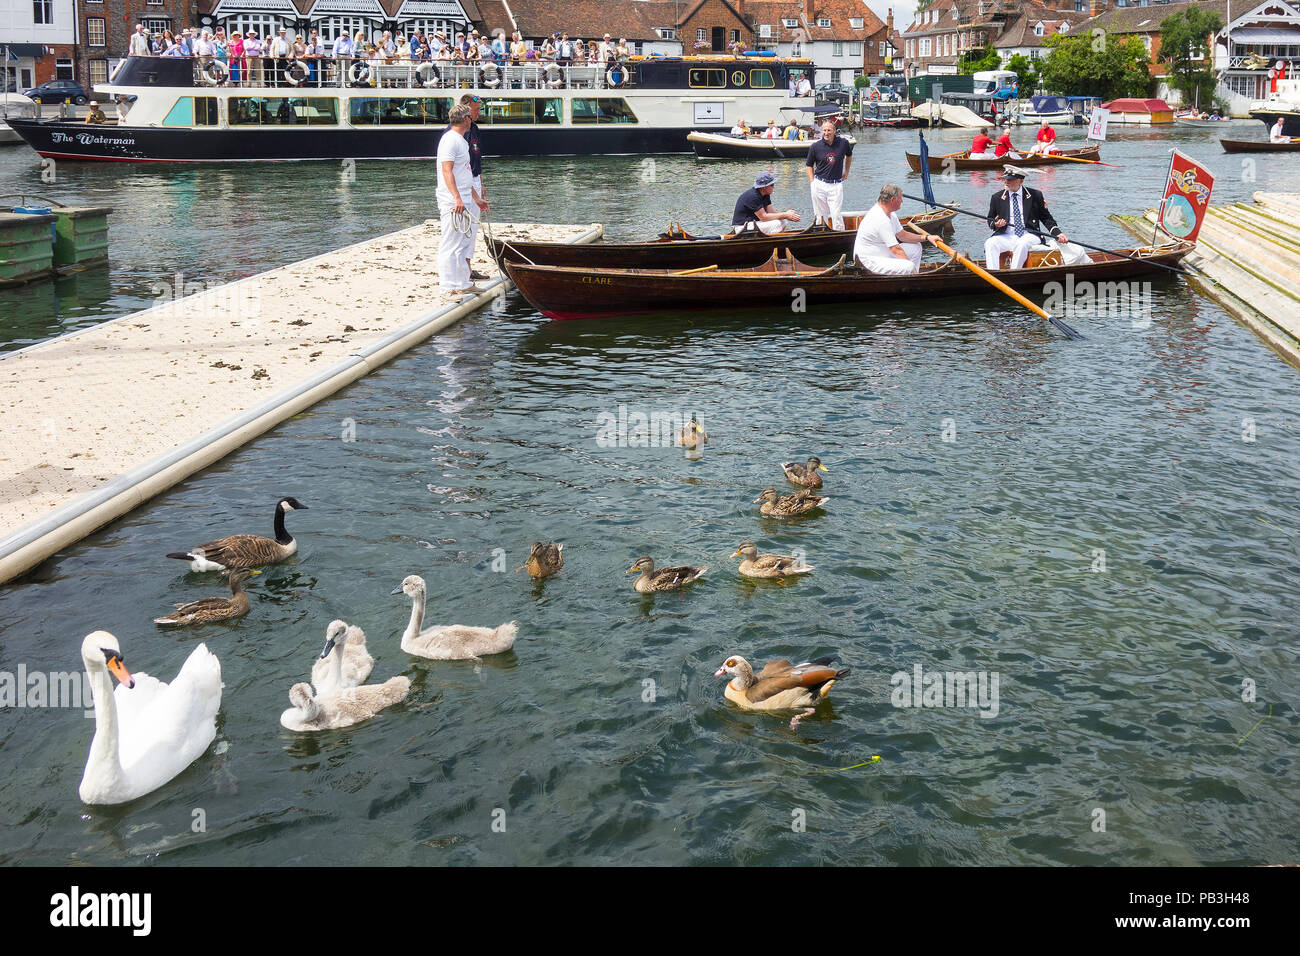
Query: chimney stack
(1097, 7)
(889, 22)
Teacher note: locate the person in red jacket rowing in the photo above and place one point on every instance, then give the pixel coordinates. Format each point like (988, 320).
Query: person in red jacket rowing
(983, 143)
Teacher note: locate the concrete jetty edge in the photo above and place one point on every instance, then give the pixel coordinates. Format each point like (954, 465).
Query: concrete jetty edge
(33, 543)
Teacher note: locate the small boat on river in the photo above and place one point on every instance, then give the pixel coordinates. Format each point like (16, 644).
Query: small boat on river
(962, 160)
(588, 293)
(677, 249)
(1259, 146)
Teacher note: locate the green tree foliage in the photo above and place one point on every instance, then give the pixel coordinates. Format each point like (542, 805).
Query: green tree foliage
(1096, 65)
(975, 61)
(1023, 68)
(1185, 48)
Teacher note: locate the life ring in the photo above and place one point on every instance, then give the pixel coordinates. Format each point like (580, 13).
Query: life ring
(552, 75)
(428, 78)
(491, 74)
(359, 73)
(875, 94)
(615, 81)
(288, 72)
(214, 79)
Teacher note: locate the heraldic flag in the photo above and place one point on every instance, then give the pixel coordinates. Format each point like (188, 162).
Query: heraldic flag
(1187, 197)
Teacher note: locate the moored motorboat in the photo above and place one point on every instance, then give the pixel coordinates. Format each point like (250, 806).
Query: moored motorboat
(962, 160)
(588, 293)
(726, 146)
(1258, 146)
(677, 249)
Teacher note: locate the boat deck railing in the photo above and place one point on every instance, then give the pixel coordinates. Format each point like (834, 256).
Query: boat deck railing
(320, 73)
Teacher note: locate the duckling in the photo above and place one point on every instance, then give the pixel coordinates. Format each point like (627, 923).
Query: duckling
(453, 642)
(543, 560)
(311, 712)
(789, 506)
(245, 550)
(805, 476)
(693, 435)
(214, 608)
(780, 685)
(665, 579)
(345, 661)
(755, 565)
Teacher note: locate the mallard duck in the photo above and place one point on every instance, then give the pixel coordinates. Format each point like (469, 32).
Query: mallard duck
(665, 579)
(789, 506)
(543, 560)
(245, 550)
(451, 642)
(693, 435)
(147, 732)
(345, 661)
(210, 610)
(780, 685)
(805, 476)
(311, 712)
(755, 565)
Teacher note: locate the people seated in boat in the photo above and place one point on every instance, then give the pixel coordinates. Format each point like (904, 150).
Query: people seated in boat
(1046, 140)
(772, 131)
(754, 209)
(1275, 133)
(96, 115)
(740, 129)
(1017, 215)
(882, 245)
(981, 148)
(791, 131)
(1004, 149)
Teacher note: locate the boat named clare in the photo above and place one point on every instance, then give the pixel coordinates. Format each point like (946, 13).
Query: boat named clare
(187, 110)
(962, 160)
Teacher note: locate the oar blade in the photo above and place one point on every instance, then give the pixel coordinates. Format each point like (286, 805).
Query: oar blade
(1066, 330)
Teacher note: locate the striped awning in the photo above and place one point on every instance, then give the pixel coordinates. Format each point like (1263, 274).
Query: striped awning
(1267, 36)
(233, 8)
(432, 8)
(367, 7)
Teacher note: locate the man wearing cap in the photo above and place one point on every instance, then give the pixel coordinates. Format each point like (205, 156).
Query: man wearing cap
(1016, 215)
(458, 205)
(828, 163)
(882, 245)
(755, 205)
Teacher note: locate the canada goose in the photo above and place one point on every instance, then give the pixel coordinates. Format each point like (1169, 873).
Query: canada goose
(780, 685)
(210, 610)
(245, 550)
(805, 476)
(311, 712)
(451, 642)
(146, 732)
(543, 560)
(755, 565)
(665, 579)
(693, 435)
(789, 506)
(345, 661)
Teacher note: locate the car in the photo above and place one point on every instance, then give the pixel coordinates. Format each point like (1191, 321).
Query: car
(56, 91)
(835, 93)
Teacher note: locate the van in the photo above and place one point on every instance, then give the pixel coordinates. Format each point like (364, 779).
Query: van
(990, 81)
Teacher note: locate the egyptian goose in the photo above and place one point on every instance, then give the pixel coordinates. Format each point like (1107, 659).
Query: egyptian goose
(780, 685)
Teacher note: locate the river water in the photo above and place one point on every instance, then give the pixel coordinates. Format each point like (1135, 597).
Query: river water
(1105, 527)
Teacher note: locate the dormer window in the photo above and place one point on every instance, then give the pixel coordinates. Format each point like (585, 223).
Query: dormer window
(789, 23)
(824, 22)
(1038, 29)
(855, 23)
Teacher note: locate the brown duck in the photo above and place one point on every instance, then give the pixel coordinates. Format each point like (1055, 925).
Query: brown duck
(780, 685)
(212, 609)
(805, 476)
(665, 579)
(789, 506)
(755, 565)
(543, 560)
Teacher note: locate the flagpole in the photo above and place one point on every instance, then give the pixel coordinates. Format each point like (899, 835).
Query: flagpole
(1164, 193)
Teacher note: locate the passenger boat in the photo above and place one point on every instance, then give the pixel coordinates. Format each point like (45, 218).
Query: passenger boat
(677, 249)
(962, 160)
(187, 110)
(588, 293)
(1283, 102)
(1259, 146)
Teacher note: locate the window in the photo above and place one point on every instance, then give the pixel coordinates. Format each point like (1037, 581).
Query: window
(925, 46)
(837, 48)
(1033, 53)
(855, 49)
(855, 23)
(332, 28)
(824, 22)
(64, 70)
(43, 12)
(264, 25)
(401, 111)
(284, 111)
(193, 111)
(98, 71)
(789, 23)
(796, 48)
(735, 36)
(95, 31)
(761, 79)
(710, 79)
(666, 33)
(430, 27)
(511, 111)
(701, 35)
(1038, 29)
(155, 25)
(765, 29)
(604, 110)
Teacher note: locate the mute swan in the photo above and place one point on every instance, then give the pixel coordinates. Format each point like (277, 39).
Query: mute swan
(344, 662)
(453, 642)
(147, 732)
(350, 706)
(245, 550)
(780, 685)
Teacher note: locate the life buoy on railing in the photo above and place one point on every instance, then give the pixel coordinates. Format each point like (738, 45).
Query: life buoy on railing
(217, 76)
(359, 73)
(875, 94)
(428, 75)
(615, 76)
(296, 65)
(491, 74)
(552, 75)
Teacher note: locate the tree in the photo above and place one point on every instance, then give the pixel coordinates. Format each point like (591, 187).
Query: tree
(1185, 47)
(975, 61)
(1023, 68)
(1096, 65)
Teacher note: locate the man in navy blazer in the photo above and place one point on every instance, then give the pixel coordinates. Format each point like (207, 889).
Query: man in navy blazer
(1016, 215)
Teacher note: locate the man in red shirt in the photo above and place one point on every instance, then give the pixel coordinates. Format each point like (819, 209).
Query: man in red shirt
(1004, 149)
(1046, 140)
(980, 148)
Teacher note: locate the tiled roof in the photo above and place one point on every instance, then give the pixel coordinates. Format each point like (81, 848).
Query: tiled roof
(1148, 19)
(1020, 31)
(585, 19)
(840, 12)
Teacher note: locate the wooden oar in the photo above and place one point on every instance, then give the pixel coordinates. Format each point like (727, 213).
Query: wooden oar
(1076, 159)
(1042, 238)
(1001, 286)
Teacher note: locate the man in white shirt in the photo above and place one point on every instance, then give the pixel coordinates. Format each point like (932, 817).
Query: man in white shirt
(1275, 135)
(805, 86)
(459, 205)
(883, 246)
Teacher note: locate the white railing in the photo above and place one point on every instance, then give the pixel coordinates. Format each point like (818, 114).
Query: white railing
(317, 73)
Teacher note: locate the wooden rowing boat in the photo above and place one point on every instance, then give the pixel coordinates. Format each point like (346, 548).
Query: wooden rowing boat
(677, 249)
(1259, 146)
(962, 161)
(588, 293)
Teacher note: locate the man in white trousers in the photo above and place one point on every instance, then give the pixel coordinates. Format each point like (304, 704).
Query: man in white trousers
(1017, 215)
(459, 205)
(828, 163)
(755, 207)
(883, 246)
